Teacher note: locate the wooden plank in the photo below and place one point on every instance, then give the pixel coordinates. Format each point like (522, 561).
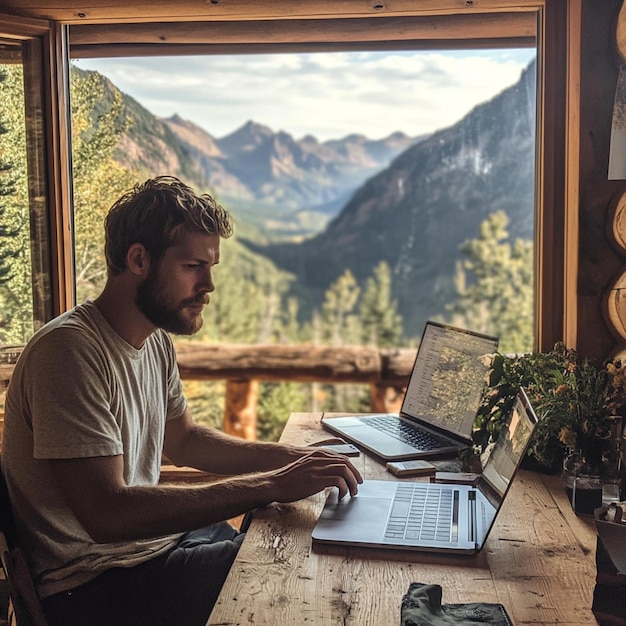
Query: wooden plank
(139, 50)
(21, 28)
(103, 11)
(304, 363)
(542, 566)
(241, 408)
(202, 361)
(497, 26)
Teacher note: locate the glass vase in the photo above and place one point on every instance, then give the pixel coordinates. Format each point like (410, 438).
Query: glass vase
(584, 490)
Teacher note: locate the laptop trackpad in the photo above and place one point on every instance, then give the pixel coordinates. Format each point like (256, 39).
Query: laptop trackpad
(358, 519)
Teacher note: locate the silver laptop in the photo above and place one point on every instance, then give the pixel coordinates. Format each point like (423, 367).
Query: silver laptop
(431, 516)
(440, 402)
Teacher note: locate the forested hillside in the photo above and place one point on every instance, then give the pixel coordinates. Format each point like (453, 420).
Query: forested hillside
(416, 214)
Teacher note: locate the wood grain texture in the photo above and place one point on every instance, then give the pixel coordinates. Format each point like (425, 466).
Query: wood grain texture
(538, 562)
(103, 11)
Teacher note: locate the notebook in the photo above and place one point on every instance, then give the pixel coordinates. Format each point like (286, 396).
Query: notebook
(431, 516)
(440, 401)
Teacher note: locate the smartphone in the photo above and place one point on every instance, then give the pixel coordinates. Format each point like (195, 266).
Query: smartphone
(411, 468)
(346, 449)
(460, 478)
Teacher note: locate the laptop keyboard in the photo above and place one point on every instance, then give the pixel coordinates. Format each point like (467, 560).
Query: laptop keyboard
(407, 433)
(419, 512)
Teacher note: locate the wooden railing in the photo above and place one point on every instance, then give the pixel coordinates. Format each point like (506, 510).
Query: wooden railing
(386, 371)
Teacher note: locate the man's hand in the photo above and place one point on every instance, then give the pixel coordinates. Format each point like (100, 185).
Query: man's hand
(312, 472)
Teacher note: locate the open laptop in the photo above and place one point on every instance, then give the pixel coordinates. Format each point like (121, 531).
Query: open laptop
(440, 402)
(431, 516)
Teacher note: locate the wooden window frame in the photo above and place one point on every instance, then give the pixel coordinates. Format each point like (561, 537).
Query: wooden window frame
(160, 27)
(43, 45)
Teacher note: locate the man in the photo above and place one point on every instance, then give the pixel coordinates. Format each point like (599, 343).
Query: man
(94, 402)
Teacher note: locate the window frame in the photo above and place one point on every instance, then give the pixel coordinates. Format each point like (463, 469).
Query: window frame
(44, 57)
(261, 27)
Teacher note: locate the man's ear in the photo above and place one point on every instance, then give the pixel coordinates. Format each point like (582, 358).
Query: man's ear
(138, 259)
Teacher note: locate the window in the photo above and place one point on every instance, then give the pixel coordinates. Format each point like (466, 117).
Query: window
(230, 29)
(260, 325)
(30, 290)
(301, 147)
(25, 293)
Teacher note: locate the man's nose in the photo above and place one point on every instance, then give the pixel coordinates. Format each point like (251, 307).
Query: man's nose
(206, 282)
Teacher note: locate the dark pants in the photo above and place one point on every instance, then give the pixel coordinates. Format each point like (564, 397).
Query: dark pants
(175, 589)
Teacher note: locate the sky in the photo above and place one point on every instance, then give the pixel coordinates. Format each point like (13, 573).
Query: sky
(327, 95)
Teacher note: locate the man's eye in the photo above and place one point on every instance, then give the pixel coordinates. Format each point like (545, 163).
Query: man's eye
(193, 266)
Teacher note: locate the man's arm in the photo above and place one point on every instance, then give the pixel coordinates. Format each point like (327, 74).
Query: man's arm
(189, 444)
(110, 510)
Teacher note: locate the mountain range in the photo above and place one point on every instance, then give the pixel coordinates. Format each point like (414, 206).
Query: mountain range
(318, 208)
(279, 186)
(417, 212)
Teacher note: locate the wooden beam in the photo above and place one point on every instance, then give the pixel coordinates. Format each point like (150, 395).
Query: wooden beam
(146, 50)
(58, 149)
(301, 363)
(240, 410)
(552, 65)
(20, 29)
(504, 29)
(117, 11)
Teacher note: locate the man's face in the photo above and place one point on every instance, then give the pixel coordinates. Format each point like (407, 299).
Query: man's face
(175, 291)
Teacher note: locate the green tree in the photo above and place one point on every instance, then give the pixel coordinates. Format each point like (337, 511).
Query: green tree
(247, 305)
(8, 231)
(339, 322)
(16, 300)
(381, 324)
(276, 402)
(98, 123)
(494, 285)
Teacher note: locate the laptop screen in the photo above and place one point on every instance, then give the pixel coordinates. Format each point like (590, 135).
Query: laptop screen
(448, 377)
(507, 452)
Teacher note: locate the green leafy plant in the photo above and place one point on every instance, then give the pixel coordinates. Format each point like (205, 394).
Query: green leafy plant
(575, 401)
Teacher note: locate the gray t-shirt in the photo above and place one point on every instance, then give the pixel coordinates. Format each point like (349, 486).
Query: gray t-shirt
(80, 390)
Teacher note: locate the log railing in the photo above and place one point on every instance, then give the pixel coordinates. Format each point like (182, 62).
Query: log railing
(386, 371)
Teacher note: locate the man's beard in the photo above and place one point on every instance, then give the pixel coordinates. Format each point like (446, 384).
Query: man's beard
(158, 311)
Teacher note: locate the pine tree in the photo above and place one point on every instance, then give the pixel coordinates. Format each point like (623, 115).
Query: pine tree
(98, 121)
(495, 286)
(381, 324)
(339, 320)
(8, 230)
(17, 281)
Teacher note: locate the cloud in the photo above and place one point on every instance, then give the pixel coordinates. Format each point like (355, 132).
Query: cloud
(328, 95)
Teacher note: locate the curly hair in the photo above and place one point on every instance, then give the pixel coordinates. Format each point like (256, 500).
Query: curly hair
(155, 214)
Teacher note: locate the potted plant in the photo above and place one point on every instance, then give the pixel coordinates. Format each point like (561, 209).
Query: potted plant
(579, 405)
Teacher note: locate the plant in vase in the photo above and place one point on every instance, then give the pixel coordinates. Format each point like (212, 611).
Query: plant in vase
(579, 405)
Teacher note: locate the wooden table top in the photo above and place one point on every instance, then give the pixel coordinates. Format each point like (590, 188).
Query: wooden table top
(539, 562)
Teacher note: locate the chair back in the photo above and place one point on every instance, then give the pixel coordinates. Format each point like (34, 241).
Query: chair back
(25, 607)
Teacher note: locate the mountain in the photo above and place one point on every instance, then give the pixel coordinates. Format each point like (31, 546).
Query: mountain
(281, 185)
(409, 201)
(417, 212)
(291, 181)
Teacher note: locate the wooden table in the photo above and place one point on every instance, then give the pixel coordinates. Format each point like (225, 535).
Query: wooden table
(538, 562)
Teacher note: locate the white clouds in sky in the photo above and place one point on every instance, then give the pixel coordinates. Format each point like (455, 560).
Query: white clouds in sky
(328, 95)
